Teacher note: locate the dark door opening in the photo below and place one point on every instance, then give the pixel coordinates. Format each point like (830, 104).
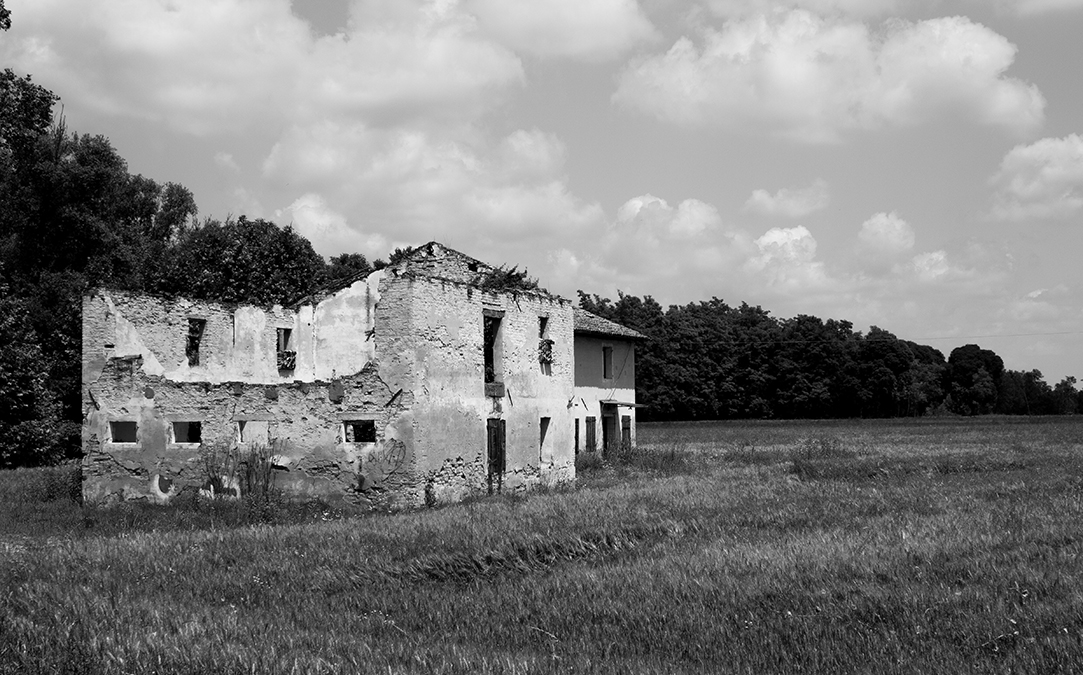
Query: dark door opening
(609, 431)
(496, 433)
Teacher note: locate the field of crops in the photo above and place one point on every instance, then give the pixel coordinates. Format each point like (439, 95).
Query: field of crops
(942, 545)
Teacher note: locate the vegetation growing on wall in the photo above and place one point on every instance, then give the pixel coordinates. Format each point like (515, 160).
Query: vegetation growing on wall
(505, 279)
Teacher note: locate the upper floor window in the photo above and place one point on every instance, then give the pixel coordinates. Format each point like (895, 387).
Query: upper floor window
(607, 363)
(195, 337)
(493, 351)
(545, 346)
(286, 355)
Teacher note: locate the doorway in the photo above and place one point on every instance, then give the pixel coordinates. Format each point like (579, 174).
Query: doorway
(496, 437)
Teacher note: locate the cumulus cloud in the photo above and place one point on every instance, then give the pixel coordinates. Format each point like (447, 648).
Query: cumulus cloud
(421, 184)
(787, 258)
(886, 234)
(591, 30)
(811, 78)
(1040, 180)
(165, 61)
(791, 203)
(328, 230)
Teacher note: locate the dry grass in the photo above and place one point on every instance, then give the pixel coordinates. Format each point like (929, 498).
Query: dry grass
(749, 548)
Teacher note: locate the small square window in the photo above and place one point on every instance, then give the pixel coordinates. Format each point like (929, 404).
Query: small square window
(187, 432)
(360, 431)
(123, 432)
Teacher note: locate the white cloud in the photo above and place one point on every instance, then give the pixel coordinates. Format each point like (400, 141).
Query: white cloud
(931, 266)
(791, 203)
(886, 234)
(211, 66)
(787, 257)
(327, 229)
(591, 30)
(812, 78)
(412, 185)
(1040, 180)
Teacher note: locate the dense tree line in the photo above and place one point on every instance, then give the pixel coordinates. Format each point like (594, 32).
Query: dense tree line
(709, 360)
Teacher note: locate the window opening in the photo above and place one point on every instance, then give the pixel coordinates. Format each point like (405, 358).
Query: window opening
(545, 346)
(492, 349)
(360, 431)
(286, 356)
(592, 439)
(187, 432)
(577, 435)
(195, 336)
(123, 432)
(607, 363)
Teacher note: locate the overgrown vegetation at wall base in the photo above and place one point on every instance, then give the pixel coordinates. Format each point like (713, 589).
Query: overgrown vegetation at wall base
(943, 545)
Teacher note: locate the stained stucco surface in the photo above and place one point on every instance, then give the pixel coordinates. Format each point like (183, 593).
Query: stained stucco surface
(400, 349)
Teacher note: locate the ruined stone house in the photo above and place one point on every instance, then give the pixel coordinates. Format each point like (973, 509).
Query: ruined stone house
(425, 381)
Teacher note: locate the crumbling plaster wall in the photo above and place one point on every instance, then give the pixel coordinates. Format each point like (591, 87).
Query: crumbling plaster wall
(402, 350)
(439, 344)
(240, 342)
(313, 457)
(135, 369)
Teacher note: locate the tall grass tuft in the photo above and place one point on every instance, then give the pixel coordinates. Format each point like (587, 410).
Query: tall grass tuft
(665, 458)
(242, 471)
(588, 463)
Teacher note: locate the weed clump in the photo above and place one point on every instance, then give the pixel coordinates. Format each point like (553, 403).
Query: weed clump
(588, 462)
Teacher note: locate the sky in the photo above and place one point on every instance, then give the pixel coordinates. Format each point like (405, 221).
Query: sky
(916, 165)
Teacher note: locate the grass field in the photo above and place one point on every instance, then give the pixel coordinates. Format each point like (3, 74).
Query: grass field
(948, 546)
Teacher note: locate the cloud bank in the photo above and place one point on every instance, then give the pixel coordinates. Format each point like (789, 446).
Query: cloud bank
(811, 79)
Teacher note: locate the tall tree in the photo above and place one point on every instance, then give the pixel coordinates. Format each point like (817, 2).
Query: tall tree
(347, 266)
(31, 431)
(251, 261)
(974, 376)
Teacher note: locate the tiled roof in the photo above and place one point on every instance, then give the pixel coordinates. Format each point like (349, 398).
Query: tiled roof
(586, 322)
